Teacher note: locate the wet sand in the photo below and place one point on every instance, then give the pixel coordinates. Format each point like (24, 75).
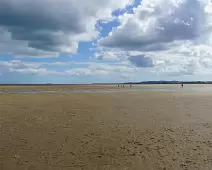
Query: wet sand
(113, 131)
(65, 88)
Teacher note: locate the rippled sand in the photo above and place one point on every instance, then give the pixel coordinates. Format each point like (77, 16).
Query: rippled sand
(106, 131)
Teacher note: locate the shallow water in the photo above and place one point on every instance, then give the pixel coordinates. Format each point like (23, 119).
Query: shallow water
(138, 90)
(190, 89)
(62, 92)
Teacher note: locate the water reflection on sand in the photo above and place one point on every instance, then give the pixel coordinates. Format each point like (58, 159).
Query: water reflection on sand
(134, 90)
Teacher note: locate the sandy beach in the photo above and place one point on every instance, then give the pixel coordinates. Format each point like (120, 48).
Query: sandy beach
(110, 131)
(60, 88)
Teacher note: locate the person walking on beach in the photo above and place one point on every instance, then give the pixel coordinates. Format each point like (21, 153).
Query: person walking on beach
(182, 85)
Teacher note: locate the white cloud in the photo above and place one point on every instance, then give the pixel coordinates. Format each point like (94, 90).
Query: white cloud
(158, 22)
(80, 69)
(44, 28)
(111, 55)
(59, 64)
(175, 34)
(36, 71)
(17, 66)
(86, 72)
(102, 69)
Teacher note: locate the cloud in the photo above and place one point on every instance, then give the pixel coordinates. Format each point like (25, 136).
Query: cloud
(110, 55)
(103, 69)
(86, 72)
(20, 48)
(31, 68)
(171, 33)
(83, 69)
(141, 61)
(157, 23)
(106, 56)
(36, 71)
(44, 28)
(124, 57)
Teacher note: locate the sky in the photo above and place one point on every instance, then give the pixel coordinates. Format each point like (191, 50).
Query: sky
(107, 41)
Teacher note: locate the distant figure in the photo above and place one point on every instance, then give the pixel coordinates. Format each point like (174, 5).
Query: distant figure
(130, 85)
(182, 85)
(118, 85)
(123, 86)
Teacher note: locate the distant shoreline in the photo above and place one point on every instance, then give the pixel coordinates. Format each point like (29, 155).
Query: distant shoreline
(133, 83)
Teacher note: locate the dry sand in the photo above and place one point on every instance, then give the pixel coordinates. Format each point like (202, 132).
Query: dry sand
(113, 131)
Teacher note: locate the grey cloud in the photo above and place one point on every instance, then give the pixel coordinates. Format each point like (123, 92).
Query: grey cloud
(165, 23)
(141, 61)
(37, 22)
(52, 25)
(25, 15)
(20, 48)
